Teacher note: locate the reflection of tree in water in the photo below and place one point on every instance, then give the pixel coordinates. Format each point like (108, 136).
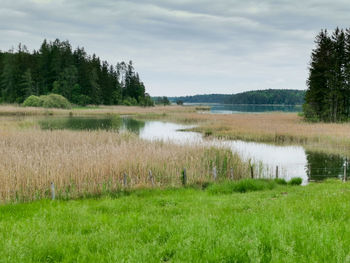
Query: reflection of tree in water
(321, 165)
(114, 123)
(133, 125)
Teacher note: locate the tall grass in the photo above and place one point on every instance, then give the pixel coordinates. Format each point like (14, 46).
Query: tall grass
(92, 162)
(15, 110)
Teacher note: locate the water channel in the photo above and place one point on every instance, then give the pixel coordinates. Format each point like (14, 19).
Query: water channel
(292, 161)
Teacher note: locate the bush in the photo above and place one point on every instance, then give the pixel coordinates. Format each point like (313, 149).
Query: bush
(280, 181)
(55, 101)
(129, 101)
(47, 101)
(241, 186)
(295, 181)
(32, 101)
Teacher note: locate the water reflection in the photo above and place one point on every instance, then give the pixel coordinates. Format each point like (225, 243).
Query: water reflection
(322, 165)
(114, 123)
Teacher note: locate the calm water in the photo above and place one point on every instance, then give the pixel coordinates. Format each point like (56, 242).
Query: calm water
(114, 123)
(292, 161)
(235, 108)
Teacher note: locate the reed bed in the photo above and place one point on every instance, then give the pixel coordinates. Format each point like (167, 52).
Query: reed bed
(16, 110)
(90, 163)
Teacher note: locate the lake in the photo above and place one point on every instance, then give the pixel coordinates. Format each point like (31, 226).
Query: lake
(251, 108)
(292, 161)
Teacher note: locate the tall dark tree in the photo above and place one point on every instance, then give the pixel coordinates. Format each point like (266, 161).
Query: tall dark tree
(56, 68)
(328, 94)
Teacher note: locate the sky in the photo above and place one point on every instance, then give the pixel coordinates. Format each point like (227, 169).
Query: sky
(184, 47)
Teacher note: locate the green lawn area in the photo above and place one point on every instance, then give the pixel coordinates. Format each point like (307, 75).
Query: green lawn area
(284, 224)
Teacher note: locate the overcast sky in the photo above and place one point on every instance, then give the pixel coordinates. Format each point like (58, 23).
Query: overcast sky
(184, 47)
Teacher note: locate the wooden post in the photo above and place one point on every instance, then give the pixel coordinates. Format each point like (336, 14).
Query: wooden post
(251, 171)
(184, 177)
(125, 180)
(231, 174)
(345, 165)
(276, 171)
(52, 191)
(151, 177)
(214, 173)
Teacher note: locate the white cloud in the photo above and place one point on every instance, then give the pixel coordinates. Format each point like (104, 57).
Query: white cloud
(184, 46)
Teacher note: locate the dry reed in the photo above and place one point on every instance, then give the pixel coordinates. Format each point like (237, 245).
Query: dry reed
(87, 163)
(10, 110)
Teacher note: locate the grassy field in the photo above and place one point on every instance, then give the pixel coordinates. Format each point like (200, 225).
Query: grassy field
(282, 224)
(96, 218)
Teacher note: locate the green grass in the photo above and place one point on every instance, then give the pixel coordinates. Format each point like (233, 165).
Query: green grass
(283, 224)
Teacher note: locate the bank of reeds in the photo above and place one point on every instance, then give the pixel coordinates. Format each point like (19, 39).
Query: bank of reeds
(16, 110)
(82, 164)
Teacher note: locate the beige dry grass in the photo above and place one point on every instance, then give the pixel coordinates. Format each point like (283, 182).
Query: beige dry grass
(90, 163)
(10, 110)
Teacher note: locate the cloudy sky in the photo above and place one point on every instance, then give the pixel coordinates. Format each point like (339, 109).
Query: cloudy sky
(184, 47)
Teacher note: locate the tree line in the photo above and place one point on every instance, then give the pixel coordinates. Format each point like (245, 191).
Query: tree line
(328, 94)
(269, 96)
(79, 77)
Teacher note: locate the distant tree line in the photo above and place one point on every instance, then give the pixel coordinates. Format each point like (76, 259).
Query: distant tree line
(269, 96)
(81, 78)
(328, 94)
(161, 100)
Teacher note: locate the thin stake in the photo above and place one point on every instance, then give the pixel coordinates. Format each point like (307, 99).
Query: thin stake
(125, 180)
(184, 177)
(231, 173)
(276, 171)
(251, 172)
(345, 165)
(151, 177)
(214, 173)
(52, 191)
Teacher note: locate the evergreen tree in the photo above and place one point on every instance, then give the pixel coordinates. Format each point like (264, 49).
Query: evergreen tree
(328, 94)
(82, 79)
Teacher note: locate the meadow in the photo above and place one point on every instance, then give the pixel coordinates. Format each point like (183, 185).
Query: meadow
(276, 224)
(101, 215)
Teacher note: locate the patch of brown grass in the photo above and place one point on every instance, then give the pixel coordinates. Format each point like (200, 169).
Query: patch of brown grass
(10, 110)
(91, 163)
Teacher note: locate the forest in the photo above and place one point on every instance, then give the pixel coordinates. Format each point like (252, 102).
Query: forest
(269, 96)
(79, 77)
(328, 95)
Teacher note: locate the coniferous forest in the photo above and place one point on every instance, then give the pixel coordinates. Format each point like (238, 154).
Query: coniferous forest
(328, 94)
(79, 77)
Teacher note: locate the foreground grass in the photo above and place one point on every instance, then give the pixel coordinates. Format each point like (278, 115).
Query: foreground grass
(285, 224)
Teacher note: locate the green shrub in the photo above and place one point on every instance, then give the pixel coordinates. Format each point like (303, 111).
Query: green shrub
(32, 101)
(295, 181)
(280, 181)
(55, 101)
(47, 101)
(241, 186)
(129, 101)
